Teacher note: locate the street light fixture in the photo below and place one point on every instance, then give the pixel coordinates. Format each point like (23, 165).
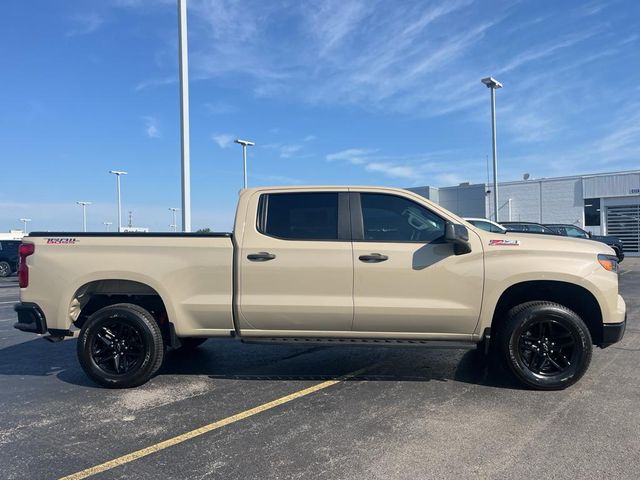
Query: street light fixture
(24, 222)
(175, 223)
(118, 173)
(107, 225)
(84, 214)
(245, 144)
(493, 84)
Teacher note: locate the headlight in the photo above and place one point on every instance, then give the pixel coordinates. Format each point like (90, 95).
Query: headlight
(608, 262)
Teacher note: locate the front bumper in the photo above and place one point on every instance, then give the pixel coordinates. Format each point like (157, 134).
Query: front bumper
(613, 332)
(30, 318)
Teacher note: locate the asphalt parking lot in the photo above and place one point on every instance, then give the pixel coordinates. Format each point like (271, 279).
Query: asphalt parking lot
(411, 413)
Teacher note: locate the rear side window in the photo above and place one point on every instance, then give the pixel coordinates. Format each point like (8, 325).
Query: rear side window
(536, 228)
(388, 218)
(299, 216)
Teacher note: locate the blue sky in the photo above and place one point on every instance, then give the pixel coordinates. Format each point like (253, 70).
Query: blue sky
(335, 91)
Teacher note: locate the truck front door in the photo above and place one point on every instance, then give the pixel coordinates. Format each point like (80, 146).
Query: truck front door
(407, 278)
(295, 267)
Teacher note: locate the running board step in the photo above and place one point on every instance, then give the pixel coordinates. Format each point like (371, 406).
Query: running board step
(361, 341)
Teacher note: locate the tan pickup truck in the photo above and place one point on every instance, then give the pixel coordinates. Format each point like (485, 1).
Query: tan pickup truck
(332, 265)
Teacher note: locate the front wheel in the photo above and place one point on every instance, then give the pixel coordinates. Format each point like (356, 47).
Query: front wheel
(120, 346)
(5, 269)
(619, 254)
(546, 345)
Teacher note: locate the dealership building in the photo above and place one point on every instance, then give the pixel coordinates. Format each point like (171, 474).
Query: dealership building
(604, 203)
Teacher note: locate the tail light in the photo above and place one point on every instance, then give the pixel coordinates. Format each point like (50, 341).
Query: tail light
(25, 250)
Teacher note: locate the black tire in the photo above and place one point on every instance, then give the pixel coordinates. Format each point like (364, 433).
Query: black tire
(120, 346)
(5, 269)
(546, 345)
(619, 254)
(190, 343)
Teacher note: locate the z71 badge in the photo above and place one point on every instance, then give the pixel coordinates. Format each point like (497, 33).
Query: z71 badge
(61, 241)
(504, 243)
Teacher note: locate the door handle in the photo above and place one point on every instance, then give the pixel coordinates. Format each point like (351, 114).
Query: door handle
(261, 256)
(373, 258)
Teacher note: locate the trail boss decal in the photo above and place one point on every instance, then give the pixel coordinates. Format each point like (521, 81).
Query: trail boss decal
(61, 241)
(504, 243)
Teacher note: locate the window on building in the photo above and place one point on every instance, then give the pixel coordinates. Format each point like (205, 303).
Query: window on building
(592, 212)
(301, 216)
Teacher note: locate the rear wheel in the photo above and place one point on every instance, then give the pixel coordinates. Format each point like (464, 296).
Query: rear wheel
(5, 269)
(120, 346)
(546, 345)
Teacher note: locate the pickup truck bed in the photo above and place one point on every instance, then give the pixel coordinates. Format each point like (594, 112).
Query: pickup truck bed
(193, 270)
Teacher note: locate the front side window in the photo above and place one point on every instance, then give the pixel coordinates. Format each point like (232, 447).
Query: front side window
(388, 218)
(536, 229)
(300, 216)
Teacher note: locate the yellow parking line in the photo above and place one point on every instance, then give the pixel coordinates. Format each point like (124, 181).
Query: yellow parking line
(130, 457)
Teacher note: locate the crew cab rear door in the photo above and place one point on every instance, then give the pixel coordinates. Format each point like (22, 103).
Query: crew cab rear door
(295, 264)
(407, 278)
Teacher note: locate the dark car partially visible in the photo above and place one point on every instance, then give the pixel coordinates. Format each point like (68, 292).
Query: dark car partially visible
(568, 230)
(9, 257)
(527, 227)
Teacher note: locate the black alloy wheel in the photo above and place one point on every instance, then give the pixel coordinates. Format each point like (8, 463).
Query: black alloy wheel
(120, 346)
(117, 347)
(546, 345)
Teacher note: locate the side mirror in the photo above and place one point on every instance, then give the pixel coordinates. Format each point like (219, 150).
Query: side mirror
(459, 236)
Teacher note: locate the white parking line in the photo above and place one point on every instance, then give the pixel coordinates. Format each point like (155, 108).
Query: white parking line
(4, 303)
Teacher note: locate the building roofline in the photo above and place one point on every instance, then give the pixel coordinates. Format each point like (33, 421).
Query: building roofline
(537, 180)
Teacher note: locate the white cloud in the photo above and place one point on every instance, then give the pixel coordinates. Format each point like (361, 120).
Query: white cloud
(223, 139)
(370, 53)
(539, 52)
(394, 171)
(219, 108)
(288, 151)
(355, 156)
(156, 82)
(85, 23)
(151, 127)
(434, 168)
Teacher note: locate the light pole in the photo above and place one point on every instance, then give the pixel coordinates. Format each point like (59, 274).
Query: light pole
(493, 84)
(245, 144)
(84, 214)
(184, 115)
(175, 224)
(24, 222)
(107, 225)
(118, 173)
